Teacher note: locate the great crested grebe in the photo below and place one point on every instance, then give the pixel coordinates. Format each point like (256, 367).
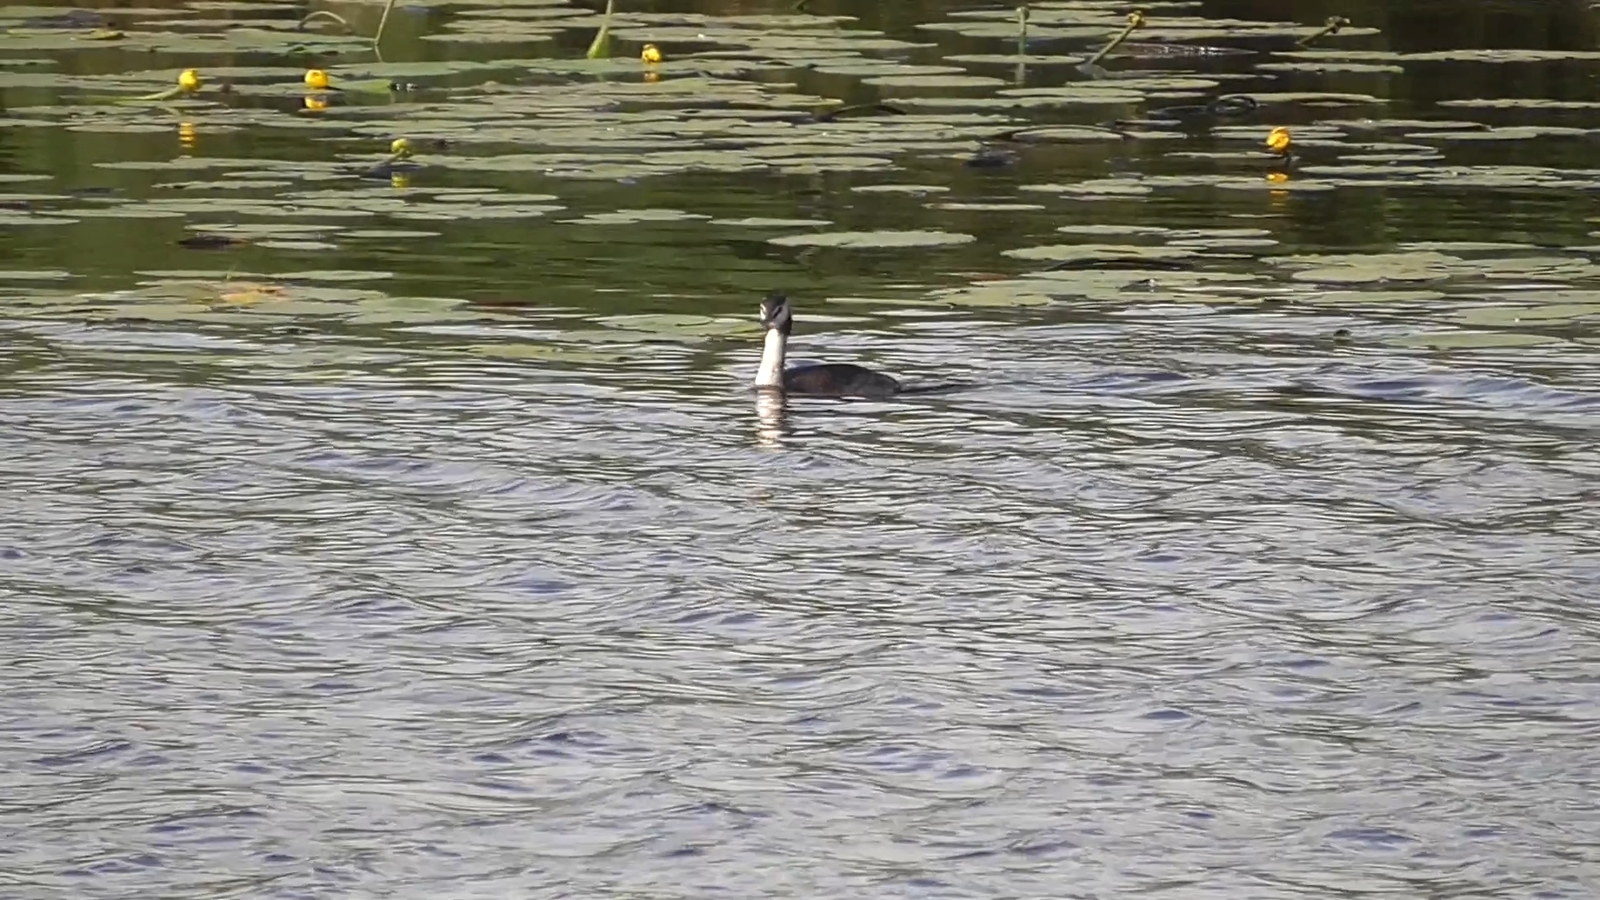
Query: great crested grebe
(824, 380)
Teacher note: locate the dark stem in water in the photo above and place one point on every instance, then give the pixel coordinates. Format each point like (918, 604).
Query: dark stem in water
(1332, 26)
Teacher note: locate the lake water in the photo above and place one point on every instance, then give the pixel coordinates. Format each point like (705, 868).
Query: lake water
(430, 542)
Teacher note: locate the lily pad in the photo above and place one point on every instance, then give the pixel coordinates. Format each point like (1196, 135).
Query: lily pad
(997, 294)
(913, 189)
(885, 301)
(1511, 133)
(1332, 65)
(34, 275)
(1105, 187)
(1473, 340)
(1114, 229)
(124, 211)
(384, 234)
(1072, 252)
(1013, 60)
(1070, 133)
(632, 216)
(678, 324)
(1314, 98)
(986, 207)
(1542, 313)
(8, 217)
(876, 69)
(1367, 297)
(1375, 268)
(764, 222)
(874, 239)
(938, 82)
(1521, 103)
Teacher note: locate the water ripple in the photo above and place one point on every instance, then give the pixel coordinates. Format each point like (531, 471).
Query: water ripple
(287, 639)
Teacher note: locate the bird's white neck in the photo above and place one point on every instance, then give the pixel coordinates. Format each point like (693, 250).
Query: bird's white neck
(770, 375)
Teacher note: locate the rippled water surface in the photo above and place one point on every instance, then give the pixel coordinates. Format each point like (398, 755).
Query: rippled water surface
(431, 544)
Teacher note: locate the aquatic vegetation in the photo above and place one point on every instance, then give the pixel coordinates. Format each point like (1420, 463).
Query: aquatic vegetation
(778, 141)
(188, 82)
(600, 47)
(1136, 20)
(1333, 25)
(1279, 141)
(872, 239)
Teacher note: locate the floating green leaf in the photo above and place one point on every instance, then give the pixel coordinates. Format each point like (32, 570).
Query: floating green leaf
(913, 189)
(936, 82)
(631, 216)
(986, 207)
(873, 239)
(1473, 340)
(1074, 252)
(762, 222)
(1108, 187)
(673, 324)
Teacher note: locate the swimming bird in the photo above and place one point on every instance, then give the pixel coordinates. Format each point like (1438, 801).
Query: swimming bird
(829, 380)
(822, 380)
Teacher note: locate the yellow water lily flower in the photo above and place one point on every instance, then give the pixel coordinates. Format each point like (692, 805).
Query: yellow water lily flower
(189, 81)
(399, 153)
(316, 80)
(1278, 140)
(650, 55)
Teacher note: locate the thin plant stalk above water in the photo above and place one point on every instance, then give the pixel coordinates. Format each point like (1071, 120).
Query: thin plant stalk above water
(377, 37)
(1331, 26)
(383, 20)
(600, 47)
(189, 82)
(1021, 73)
(1135, 20)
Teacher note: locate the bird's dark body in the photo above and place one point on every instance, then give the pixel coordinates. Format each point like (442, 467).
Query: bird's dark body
(824, 379)
(838, 380)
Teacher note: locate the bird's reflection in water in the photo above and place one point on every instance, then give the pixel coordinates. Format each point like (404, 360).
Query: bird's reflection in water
(772, 418)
